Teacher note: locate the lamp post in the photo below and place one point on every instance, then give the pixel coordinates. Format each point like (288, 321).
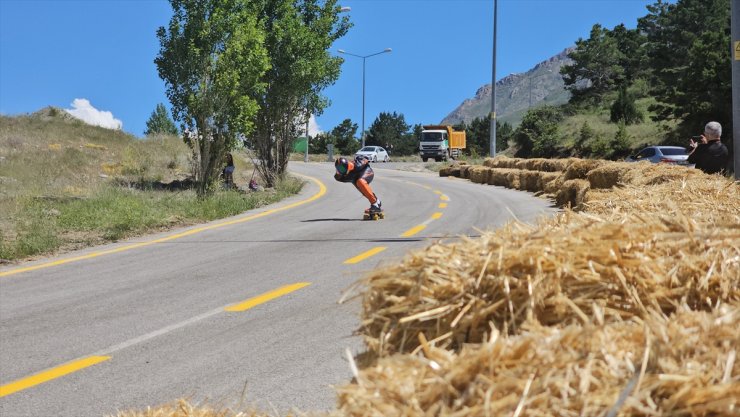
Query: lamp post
(492, 144)
(364, 57)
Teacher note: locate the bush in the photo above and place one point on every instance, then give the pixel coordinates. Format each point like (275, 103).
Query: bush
(538, 135)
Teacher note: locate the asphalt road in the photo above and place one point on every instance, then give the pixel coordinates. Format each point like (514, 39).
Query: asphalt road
(203, 312)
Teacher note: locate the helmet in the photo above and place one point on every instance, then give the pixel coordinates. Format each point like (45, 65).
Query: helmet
(342, 165)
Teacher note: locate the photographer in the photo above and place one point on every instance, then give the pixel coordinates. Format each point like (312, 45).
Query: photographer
(708, 153)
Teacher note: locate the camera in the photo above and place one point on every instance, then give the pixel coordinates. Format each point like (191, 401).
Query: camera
(696, 138)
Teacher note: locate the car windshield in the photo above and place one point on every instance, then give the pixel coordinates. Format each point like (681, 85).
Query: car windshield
(367, 149)
(673, 151)
(431, 137)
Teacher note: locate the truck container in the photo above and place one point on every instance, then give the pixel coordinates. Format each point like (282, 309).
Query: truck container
(441, 142)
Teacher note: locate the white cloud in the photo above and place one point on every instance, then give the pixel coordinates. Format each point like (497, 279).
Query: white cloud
(83, 110)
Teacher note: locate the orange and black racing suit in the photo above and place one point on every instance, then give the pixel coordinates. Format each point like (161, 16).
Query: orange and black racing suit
(361, 175)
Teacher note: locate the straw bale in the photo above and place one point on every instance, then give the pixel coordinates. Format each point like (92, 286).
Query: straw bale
(498, 176)
(479, 174)
(683, 366)
(465, 171)
(546, 178)
(512, 179)
(605, 176)
(501, 162)
(554, 273)
(579, 168)
(572, 193)
(445, 171)
(705, 200)
(530, 180)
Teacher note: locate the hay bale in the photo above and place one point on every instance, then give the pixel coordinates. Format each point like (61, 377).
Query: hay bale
(512, 179)
(579, 168)
(572, 193)
(465, 171)
(554, 274)
(445, 171)
(498, 177)
(605, 176)
(545, 178)
(479, 174)
(577, 370)
(530, 180)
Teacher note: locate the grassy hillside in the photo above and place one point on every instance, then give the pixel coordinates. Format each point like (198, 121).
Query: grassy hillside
(65, 185)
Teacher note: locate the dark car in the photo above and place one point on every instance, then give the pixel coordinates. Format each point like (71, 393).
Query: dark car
(661, 154)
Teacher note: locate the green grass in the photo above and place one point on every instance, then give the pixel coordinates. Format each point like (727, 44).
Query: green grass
(59, 185)
(114, 213)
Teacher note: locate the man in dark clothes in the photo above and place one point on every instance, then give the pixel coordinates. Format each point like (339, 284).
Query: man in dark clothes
(709, 154)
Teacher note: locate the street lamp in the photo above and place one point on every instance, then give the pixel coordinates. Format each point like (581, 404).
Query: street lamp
(492, 142)
(364, 57)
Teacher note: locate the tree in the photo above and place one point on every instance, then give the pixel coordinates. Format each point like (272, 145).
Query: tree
(343, 136)
(585, 135)
(299, 34)
(688, 50)
(607, 60)
(538, 134)
(160, 123)
(620, 145)
(389, 129)
(624, 109)
(318, 144)
(212, 59)
(478, 136)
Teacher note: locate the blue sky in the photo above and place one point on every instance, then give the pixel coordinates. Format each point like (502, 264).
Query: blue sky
(102, 52)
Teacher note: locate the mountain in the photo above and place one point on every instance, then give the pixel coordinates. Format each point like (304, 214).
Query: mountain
(515, 93)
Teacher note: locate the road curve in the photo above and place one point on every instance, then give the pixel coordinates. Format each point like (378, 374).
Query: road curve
(204, 312)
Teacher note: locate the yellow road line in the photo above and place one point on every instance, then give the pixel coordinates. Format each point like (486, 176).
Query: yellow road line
(444, 198)
(322, 191)
(438, 192)
(361, 257)
(436, 215)
(260, 299)
(442, 205)
(414, 230)
(50, 374)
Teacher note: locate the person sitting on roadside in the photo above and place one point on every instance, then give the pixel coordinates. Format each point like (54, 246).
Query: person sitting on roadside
(228, 172)
(708, 152)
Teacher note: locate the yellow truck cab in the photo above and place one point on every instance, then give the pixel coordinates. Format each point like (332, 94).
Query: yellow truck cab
(441, 142)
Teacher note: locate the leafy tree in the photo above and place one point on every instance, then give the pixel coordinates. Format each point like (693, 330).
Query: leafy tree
(538, 134)
(620, 145)
(478, 136)
(299, 34)
(603, 62)
(343, 136)
(624, 108)
(212, 58)
(160, 123)
(318, 144)
(389, 129)
(688, 50)
(585, 135)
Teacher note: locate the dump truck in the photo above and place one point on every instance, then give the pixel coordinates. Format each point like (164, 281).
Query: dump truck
(441, 142)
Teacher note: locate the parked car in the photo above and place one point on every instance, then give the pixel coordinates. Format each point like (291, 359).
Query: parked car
(374, 153)
(662, 154)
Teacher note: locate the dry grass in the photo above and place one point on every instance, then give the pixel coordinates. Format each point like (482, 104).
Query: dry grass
(654, 367)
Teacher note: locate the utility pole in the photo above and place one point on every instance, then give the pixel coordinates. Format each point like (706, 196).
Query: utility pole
(492, 144)
(735, 54)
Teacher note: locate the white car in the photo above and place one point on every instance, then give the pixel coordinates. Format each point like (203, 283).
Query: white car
(374, 153)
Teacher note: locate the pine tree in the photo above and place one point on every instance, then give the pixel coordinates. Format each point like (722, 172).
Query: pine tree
(160, 123)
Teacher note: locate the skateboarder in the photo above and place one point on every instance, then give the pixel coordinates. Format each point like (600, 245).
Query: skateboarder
(361, 175)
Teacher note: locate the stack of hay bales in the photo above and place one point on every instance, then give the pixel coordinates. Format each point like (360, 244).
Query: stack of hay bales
(628, 306)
